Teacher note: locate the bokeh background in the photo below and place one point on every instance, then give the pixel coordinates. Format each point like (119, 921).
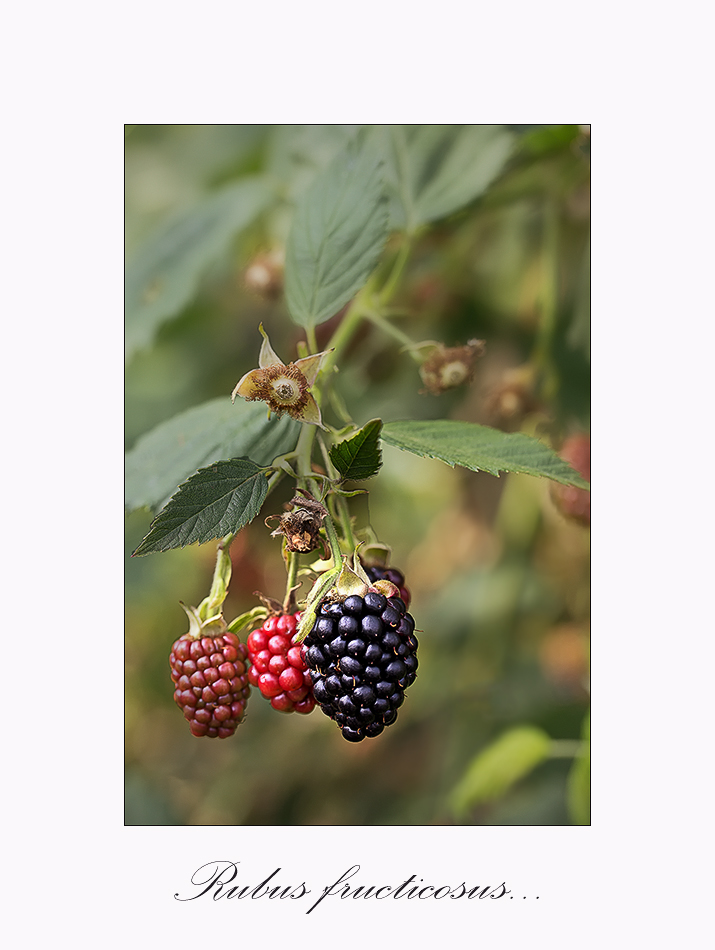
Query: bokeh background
(498, 572)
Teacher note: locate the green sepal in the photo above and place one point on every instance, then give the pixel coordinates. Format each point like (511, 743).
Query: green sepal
(198, 627)
(318, 591)
(350, 581)
(376, 554)
(248, 619)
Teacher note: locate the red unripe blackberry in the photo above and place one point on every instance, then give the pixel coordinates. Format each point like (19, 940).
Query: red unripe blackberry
(575, 503)
(362, 654)
(277, 668)
(210, 676)
(394, 576)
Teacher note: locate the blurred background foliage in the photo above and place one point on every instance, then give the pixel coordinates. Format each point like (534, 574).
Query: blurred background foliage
(491, 731)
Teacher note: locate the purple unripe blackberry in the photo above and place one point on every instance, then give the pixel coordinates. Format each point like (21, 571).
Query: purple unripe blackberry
(394, 576)
(362, 656)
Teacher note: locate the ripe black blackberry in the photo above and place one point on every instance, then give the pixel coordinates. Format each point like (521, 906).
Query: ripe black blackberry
(394, 576)
(362, 656)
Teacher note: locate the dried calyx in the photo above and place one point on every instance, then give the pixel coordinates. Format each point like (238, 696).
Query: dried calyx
(446, 367)
(285, 388)
(301, 525)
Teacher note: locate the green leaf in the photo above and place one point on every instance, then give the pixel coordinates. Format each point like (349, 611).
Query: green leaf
(167, 455)
(359, 457)
(216, 501)
(296, 153)
(480, 448)
(549, 138)
(499, 766)
(164, 273)
(433, 170)
(578, 783)
(337, 235)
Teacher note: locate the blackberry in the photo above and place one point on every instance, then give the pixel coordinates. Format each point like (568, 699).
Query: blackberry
(362, 656)
(211, 682)
(277, 667)
(394, 576)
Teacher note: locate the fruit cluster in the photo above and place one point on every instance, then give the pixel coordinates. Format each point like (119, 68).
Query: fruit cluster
(277, 667)
(210, 676)
(361, 653)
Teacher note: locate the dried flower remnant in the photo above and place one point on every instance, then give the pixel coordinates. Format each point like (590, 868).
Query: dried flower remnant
(449, 366)
(264, 274)
(512, 398)
(285, 388)
(301, 527)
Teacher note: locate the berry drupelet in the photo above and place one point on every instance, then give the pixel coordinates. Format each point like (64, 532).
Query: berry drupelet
(211, 682)
(394, 576)
(362, 656)
(277, 667)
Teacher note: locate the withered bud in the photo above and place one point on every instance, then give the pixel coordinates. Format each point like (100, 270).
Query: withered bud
(301, 528)
(512, 398)
(449, 366)
(264, 275)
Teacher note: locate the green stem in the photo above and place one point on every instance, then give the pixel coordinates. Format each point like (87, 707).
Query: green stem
(542, 355)
(312, 339)
(221, 578)
(339, 502)
(289, 601)
(304, 452)
(339, 340)
(341, 337)
(333, 541)
(379, 321)
(273, 480)
(345, 524)
(397, 268)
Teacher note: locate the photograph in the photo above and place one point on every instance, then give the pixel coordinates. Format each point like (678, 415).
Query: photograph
(357, 415)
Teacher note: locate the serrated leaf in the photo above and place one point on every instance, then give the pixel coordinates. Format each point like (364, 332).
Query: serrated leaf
(578, 783)
(337, 235)
(433, 170)
(499, 766)
(164, 273)
(167, 455)
(359, 457)
(480, 448)
(216, 501)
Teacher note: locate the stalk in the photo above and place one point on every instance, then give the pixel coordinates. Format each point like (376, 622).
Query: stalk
(221, 579)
